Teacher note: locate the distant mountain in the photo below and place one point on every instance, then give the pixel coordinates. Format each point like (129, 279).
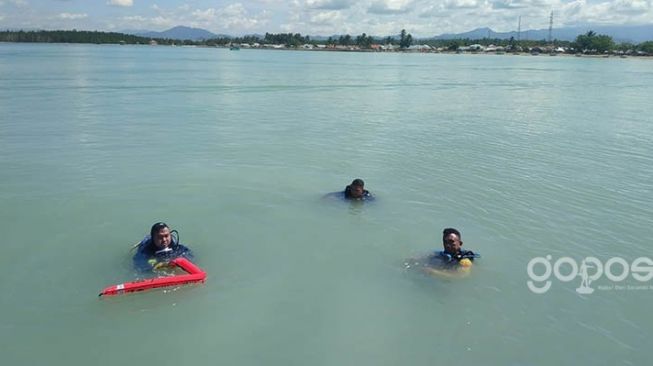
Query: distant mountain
(322, 38)
(181, 33)
(635, 33)
(256, 35)
(134, 32)
(477, 33)
(353, 36)
(620, 33)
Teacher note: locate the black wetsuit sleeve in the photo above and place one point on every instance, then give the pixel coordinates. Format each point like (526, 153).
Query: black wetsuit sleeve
(141, 261)
(183, 251)
(145, 254)
(470, 255)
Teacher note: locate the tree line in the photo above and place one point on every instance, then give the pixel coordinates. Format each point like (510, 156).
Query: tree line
(589, 43)
(287, 39)
(363, 40)
(74, 36)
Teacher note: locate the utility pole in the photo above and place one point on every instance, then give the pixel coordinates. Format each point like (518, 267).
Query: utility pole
(551, 29)
(519, 30)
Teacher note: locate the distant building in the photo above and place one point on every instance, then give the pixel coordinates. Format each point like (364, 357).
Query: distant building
(389, 47)
(493, 48)
(471, 48)
(419, 47)
(275, 46)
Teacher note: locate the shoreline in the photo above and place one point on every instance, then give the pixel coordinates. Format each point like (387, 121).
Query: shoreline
(612, 56)
(358, 50)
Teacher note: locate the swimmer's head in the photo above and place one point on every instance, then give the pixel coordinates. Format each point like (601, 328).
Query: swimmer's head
(356, 189)
(451, 240)
(160, 234)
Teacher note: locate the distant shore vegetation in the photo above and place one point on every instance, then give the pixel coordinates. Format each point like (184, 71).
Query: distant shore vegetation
(589, 43)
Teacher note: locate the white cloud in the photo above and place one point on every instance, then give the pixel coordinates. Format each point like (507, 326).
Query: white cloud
(17, 3)
(163, 22)
(391, 7)
(435, 12)
(125, 3)
(233, 17)
(232, 10)
(631, 6)
(71, 16)
(462, 4)
(135, 19)
(508, 4)
(329, 4)
(326, 18)
(141, 21)
(422, 18)
(204, 15)
(607, 12)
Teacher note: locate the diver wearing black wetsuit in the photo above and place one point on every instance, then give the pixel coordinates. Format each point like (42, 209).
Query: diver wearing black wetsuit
(453, 254)
(443, 258)
(354, 192)
(160, 247)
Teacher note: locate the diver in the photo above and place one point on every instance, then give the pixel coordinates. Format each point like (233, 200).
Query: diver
(453, 254)
(354, 192)
(158, 248)
(450, 262)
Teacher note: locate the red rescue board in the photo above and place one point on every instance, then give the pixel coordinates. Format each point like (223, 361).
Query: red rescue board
(195, 275)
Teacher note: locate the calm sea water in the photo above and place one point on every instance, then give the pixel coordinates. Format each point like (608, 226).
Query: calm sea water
(527, 156)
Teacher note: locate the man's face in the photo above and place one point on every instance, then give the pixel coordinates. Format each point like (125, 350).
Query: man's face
(452, 243)
(162, 238)
(356, 191)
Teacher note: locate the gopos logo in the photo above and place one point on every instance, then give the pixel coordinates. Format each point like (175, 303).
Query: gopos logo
(590, 269)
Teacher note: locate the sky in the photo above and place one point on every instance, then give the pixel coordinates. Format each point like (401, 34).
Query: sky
(422, 18)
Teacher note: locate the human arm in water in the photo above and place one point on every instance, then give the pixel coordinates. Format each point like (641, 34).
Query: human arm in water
(456, 272)
(434, 266)
(148, 258)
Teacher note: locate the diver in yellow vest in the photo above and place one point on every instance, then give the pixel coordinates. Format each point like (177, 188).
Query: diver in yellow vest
(450, 262)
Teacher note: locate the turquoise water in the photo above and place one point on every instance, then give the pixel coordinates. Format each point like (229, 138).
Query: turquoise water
(527, 156)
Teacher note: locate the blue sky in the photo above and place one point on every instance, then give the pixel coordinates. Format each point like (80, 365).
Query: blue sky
(319, 17)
